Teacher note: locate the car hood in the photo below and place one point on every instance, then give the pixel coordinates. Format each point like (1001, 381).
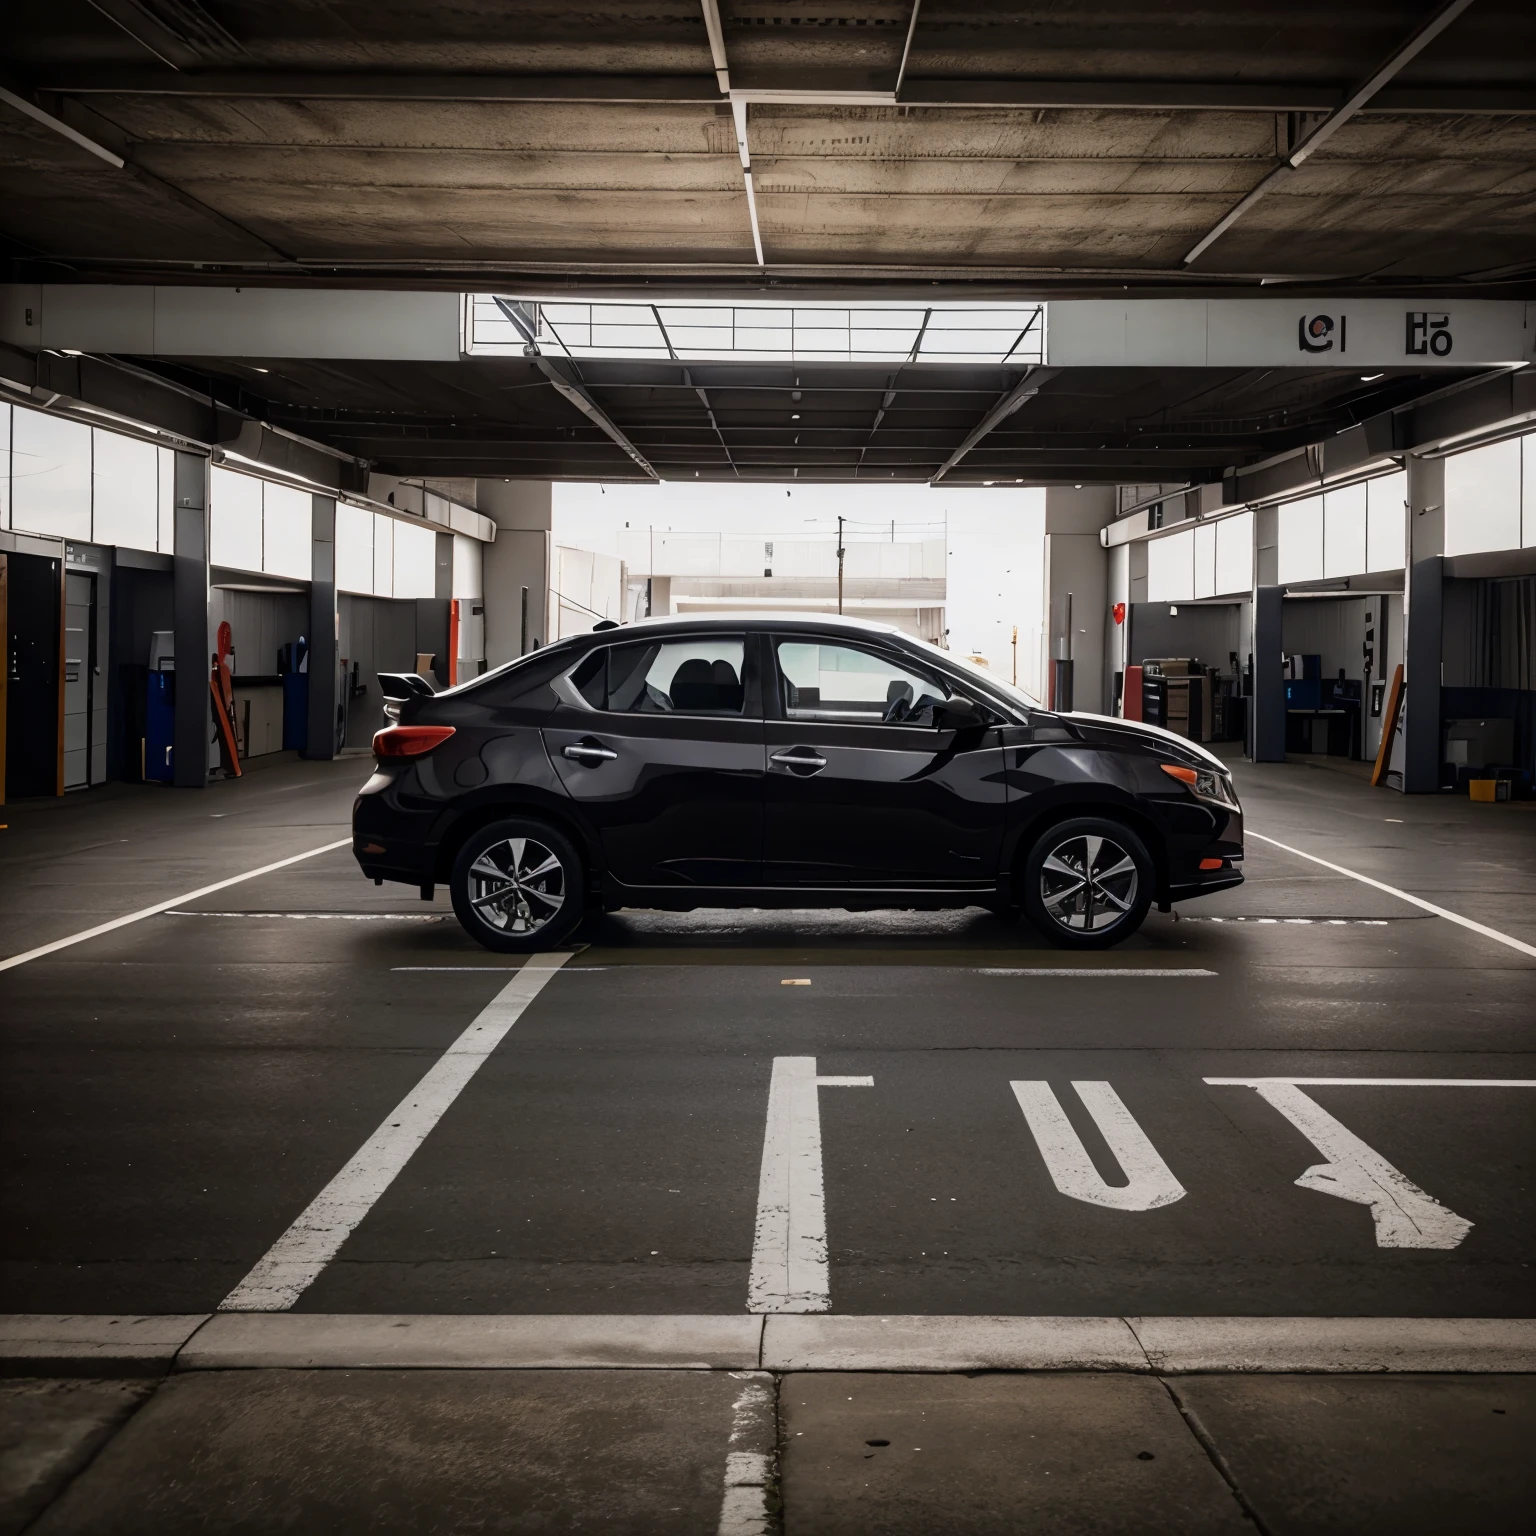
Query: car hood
(1141, 729)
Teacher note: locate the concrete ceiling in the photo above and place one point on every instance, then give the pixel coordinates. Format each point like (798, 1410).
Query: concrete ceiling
(1065, 147)
(820, 422)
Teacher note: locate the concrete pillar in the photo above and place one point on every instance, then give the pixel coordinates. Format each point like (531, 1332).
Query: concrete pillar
(1266, 709)
(324, 686)
(1425, 565)
(189, 608)
(1077, 566)
(515, 568)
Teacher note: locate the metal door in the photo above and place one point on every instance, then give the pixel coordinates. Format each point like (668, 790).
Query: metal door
(79, 676)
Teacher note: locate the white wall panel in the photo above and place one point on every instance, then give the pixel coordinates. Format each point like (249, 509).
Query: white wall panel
(1528, 491)
(234, 520)
(50, 475)
(354, 548)
(1205, 560)
(415, 560)
(126, 500)
(1234, 553)
(383, 556)
(166, 499)
(1301, 540)
(1171, 568)
(286, 520)
(1482, 499)
(5, 466)
(1344, 531)
(1386, 522)
(467, 568)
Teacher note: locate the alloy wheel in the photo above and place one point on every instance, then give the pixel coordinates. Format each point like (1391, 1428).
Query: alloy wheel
(517, 885)
(1088, 883)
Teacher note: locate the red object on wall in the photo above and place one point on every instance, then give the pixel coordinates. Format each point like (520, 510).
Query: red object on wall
(453, 643)
(1131, 700)
(1119, 613)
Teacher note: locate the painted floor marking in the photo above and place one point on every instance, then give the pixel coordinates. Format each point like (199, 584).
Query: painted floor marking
(746, 1509)
(789, 1247)
(1083, 970)
(1375, 1082)
(295, 1260)
(1150, 1182)
(331, 917)
(1417, 901)
(1303, 922)
(165, 906)
(1404, 1215)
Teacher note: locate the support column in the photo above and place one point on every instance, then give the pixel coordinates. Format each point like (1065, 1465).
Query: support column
(320, 741)
(1077, 567)
(1422, 649)
(189, 608)
(1266, 709)
(515, 569)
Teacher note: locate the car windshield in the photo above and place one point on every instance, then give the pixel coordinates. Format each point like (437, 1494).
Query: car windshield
(987, 677)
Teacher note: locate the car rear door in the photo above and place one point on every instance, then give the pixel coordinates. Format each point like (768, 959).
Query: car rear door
(863, 788)
(661, 744)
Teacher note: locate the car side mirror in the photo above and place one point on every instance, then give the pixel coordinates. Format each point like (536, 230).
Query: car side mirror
(956, 713)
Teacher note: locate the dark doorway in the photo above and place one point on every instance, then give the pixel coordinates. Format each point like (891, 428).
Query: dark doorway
(34, 696)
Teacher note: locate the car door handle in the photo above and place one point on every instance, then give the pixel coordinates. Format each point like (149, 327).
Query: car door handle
(589, 755)
(799, 757)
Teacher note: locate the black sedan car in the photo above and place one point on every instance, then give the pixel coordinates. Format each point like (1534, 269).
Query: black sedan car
(783, 762)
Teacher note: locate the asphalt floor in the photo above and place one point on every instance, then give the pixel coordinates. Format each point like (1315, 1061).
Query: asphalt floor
(175, 1093)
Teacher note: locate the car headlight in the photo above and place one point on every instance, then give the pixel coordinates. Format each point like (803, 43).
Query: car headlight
(1205, 782)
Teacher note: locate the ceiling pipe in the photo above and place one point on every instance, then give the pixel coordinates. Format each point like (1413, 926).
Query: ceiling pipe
(1336, 119)
(1026, 389)
(906, 48)
(574, 392)
(716, 32)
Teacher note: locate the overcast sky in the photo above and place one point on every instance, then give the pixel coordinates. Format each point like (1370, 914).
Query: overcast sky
(996, 540)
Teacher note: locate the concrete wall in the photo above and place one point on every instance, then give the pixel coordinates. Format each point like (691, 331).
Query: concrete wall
(523, 511)
(1075, 564)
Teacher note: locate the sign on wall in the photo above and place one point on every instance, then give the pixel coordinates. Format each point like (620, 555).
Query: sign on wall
(1283, 333)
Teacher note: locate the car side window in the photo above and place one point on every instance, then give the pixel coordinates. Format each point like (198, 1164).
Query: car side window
(848, 684)
(662, 677)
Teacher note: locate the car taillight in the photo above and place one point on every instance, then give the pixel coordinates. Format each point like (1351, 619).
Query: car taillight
(410, 740)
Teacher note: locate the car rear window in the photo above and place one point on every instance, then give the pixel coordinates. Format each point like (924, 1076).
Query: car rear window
(700, 676)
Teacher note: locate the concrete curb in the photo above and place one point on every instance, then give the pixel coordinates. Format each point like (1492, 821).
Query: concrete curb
(133, 1345)
(297, 1340)
(72, 1344)
(1177, 1345)
(824, 1342)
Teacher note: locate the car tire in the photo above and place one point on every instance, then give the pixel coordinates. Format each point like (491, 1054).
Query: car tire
(518, 886)
(1088, 882)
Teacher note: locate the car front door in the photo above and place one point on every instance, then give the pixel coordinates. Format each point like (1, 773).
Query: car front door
(865, 784)
(661, 743)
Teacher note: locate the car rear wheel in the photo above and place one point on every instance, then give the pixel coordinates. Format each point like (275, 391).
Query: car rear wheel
(517, 886)
(1088, 883)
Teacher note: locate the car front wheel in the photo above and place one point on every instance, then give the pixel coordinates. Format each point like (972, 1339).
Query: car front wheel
(517, 886)
(1088, 883)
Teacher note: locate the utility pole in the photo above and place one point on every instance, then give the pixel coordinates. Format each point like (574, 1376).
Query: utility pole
(840, 553)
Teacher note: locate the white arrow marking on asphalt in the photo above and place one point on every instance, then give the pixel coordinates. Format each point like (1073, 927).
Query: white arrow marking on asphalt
(789, 1250)
(1150, 1182)
(1405, 1216)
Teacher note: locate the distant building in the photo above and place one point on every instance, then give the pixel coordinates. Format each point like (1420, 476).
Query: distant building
(898, 582)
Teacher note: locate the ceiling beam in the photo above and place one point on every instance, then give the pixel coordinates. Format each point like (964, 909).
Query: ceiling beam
(615, 89)
(1325, 130)
(1026, 389)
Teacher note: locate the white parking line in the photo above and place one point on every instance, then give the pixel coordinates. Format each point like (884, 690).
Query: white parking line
(1417, 901)
(295, 1260)
(165, 906)
(1083, 970)
(789, 1247)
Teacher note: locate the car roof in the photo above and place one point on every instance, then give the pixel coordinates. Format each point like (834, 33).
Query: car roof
(759, 619)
